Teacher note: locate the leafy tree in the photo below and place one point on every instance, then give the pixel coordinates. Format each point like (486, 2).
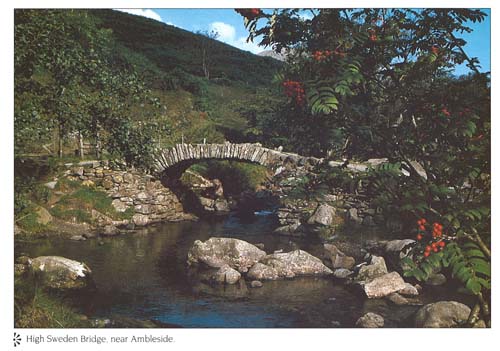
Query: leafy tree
(69, 79)
(382, 78)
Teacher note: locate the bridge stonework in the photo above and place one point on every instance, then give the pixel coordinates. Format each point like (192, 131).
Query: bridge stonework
(172, 162)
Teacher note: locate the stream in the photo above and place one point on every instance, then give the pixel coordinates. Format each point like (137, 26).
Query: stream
(144, 275)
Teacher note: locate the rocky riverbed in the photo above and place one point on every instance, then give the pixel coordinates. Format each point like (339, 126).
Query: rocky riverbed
(232, 272)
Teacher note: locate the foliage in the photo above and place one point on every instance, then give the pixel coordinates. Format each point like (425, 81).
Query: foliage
(73, 82)
(382, 78)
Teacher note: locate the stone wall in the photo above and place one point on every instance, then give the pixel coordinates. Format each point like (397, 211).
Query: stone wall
(150, 200)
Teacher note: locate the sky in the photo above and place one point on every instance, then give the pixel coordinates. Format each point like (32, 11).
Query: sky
(231, 30)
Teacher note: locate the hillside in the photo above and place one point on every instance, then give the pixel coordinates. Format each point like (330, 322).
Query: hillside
(169, 48)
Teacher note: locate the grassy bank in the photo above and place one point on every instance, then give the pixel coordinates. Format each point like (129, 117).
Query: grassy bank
(35, 308)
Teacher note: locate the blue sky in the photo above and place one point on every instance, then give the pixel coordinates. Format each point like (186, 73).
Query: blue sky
(230, 27)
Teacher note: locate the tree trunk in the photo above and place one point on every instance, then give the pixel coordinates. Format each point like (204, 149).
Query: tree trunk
(60, 143)
(97, 145)
(80, 145)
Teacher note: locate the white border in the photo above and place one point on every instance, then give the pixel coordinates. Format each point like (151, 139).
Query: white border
(230, 339)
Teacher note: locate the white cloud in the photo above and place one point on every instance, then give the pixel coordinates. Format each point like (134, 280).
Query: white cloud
(227, 34)
(142, 12)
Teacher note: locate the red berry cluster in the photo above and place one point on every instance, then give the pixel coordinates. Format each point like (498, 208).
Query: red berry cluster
(295, 90)
(437, 232)
(321, 55)
(445, 112)
(249, 13)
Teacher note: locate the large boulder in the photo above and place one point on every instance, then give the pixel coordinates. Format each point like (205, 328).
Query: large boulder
(384, 285)
(62, 273)
(370, 320)
(217, 252)
(442, 314)
(291, 264)
(322, 216)
(375, 269)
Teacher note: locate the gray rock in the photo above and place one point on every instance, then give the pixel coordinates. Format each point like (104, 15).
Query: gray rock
(395, 250)
(384, 285)
(370, 320)
(352, 216)
(256, 284)
(109, 230)
(119, 205)
(216, 252)
(436, 279)
(375, 269)
(376, 161)
(409, 290)
(226, 275)
(51, 185)
(323, 215)
(291, 229)
(342, 273)
(295, 263)
(397, 299)
(442, 314)
(140, 219)
(206, 202)
(221, 205)
(77, 171)
(262, 272)
(343, 261)
(62, 273)
(78, 238)
(107, 183)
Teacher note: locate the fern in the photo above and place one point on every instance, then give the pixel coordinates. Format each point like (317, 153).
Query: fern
(468, 264)
(321, 97)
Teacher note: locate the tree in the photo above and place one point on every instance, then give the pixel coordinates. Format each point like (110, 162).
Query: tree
(74, 82)
(206, 45)
(382, 78)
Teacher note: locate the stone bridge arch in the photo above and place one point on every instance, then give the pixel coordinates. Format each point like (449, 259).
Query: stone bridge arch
(172, 162)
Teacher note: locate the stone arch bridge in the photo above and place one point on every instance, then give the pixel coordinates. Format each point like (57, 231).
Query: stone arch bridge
(172, 162)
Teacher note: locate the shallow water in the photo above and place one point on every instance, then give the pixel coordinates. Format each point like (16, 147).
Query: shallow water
(144, 275)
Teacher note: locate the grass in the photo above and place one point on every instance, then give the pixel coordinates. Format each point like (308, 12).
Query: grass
(78, 205)
(35, 308)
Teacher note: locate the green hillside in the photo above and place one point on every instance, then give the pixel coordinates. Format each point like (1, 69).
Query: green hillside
(170, 48)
